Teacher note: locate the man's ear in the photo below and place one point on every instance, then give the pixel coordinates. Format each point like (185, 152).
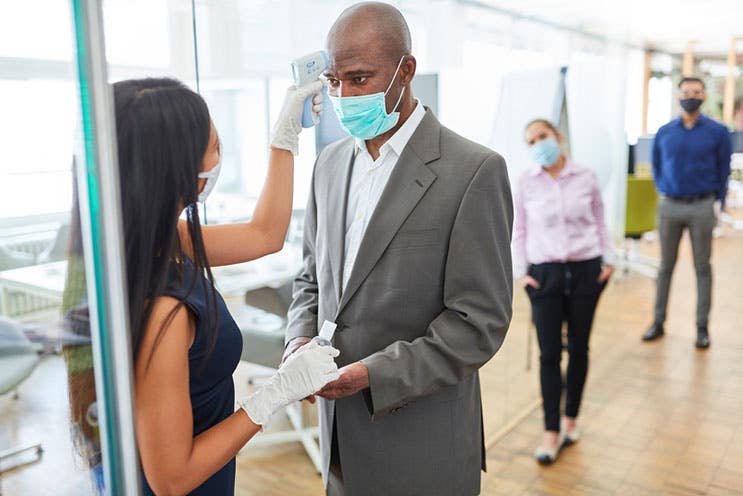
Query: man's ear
(408, 69)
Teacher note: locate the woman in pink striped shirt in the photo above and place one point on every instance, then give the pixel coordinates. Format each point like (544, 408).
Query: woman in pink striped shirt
(563, 258)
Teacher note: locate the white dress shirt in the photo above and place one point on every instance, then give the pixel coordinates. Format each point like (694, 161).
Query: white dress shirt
(368, 180)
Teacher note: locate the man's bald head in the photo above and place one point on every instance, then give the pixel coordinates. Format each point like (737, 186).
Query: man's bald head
(373, 27)
(369, 52)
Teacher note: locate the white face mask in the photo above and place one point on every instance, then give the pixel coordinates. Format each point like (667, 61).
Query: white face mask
(211, 181)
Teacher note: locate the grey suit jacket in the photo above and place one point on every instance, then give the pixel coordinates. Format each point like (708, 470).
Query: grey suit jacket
(427, 304)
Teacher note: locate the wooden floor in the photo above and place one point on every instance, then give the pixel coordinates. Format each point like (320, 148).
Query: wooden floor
(659, 418)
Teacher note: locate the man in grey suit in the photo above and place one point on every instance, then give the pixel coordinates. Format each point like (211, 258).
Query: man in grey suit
(407, 249)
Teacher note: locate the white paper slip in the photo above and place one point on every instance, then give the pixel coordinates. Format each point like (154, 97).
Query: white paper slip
(327, 331)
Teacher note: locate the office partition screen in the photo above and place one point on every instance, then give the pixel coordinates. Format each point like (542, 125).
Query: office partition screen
(63, 320)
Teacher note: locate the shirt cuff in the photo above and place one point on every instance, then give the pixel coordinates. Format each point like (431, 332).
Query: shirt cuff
(609, 257)
(520, 268)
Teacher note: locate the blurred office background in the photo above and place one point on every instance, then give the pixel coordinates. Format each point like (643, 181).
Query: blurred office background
(605, 71)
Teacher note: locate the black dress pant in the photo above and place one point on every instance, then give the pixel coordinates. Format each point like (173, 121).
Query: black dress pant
(568, 292)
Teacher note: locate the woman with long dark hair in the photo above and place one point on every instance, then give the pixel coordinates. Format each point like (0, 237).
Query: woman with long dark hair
(186, 345)
(563, 258)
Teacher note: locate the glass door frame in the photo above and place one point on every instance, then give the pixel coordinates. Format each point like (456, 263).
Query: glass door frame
(101, 222)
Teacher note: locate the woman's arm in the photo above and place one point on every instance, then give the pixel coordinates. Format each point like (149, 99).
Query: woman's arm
(241, 242)
(265, 233)
(176, 462)
(607, 247)
(173, 460)
(597, 206)
(518, 242)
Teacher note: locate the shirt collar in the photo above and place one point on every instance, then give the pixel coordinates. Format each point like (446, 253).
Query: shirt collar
(702, 119)
(399, 140)
(569, 169)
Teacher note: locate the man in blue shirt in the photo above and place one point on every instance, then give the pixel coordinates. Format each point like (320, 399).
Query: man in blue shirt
(691, 165)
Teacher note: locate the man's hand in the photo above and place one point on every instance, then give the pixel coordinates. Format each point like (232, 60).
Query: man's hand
(293, 346)
(354, 378)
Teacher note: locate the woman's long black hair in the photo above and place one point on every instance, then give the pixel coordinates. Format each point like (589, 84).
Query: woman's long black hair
(163, 131)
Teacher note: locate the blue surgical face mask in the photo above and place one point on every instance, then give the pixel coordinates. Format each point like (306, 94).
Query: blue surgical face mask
(366, 116)
(545, 152)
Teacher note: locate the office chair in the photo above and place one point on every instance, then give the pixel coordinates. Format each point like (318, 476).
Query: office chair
(642, 201)
(18, 358)
(262, 322)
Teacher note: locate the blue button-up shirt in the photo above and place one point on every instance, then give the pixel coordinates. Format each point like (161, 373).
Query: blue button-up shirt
(688, 162)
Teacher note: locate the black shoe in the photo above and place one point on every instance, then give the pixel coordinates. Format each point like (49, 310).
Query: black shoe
(702, 338)
(655, 332)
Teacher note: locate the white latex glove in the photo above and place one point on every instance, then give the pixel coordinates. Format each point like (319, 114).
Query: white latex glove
(285, 134)
(303, 373)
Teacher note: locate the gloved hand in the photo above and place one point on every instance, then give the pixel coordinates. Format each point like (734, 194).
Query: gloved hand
(285, 134)
(303, 373)
(293, 345)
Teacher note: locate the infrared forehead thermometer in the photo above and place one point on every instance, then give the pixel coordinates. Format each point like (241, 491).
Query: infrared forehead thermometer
(306, 70)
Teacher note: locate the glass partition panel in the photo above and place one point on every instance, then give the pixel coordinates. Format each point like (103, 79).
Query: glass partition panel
(65, 404)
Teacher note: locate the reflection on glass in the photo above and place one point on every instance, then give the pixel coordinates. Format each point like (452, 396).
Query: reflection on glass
(43, 295)
(47, 377)
(76, 348)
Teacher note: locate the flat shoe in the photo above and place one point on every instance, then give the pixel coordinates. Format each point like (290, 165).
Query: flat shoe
(702, 338)
(655, 332)
(546, 456)
(571, 437)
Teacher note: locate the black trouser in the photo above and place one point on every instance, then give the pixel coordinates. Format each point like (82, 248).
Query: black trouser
(568, 292)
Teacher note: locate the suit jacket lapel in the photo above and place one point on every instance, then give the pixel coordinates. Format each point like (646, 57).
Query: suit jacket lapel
(409, 181)
(336, 219)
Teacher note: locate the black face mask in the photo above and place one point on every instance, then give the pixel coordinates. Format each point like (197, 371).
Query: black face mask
(691, 105)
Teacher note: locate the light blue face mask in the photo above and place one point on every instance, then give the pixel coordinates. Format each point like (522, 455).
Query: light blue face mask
(366, 116)
(545, 152)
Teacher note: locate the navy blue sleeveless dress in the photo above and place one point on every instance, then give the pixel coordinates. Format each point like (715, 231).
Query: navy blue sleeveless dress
(211, 386)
